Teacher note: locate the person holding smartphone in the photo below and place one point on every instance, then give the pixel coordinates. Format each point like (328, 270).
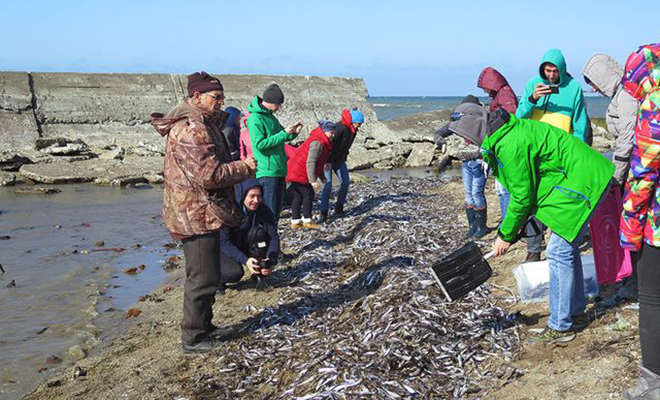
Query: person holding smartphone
(268, 136)
(555, 98)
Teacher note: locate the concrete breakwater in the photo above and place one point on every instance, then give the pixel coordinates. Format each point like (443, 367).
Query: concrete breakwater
(74, 127)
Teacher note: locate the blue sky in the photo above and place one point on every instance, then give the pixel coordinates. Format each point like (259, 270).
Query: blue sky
(414, 47)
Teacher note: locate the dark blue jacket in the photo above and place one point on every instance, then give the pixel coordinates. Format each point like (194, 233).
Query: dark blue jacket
(233, 241)
(232, 132)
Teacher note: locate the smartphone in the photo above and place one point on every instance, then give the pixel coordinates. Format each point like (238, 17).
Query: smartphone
(554, 88)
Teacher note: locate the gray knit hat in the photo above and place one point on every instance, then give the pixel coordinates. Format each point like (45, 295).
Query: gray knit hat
(470, 122)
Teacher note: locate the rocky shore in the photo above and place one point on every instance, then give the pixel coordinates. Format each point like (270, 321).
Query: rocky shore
(71, 127)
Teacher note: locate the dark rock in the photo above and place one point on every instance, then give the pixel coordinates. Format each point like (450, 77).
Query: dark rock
(100, 243)
(78, 372)
(53, 360)
(12, 284)
(37, 190)
(7, 178)
(54, 383)
(12, 162)
(5, 237)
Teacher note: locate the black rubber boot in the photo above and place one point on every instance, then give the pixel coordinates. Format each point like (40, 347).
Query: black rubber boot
(339, 211)
(472, 228)
(324, 217)
(480, 223)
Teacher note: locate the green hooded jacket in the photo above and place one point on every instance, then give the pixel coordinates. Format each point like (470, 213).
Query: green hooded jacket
(549, 173)
(267, 137)
(565, 110)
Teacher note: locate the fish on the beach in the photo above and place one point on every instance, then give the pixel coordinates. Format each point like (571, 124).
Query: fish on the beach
(359, 315)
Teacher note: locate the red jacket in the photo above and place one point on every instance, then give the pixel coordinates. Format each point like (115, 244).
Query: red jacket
(297, 165)
(498, 89)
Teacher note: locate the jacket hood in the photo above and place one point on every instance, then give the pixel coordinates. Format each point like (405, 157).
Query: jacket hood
(555, 57)
(347, 120)
(242, 188)
(605, 72)
(470, 122)
(245, 118)
(165, 123)
(231, 120)
(256, 107)
(642, 72)
(491, 80)
(318, 134)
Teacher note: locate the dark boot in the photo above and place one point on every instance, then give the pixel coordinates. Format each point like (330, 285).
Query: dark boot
(533, 256)
(472, 228)
(339, 211)
(324, 217)
(480, 223)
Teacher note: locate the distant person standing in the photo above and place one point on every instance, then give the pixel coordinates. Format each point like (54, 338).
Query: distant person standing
(345, 134)
(268, 137)
(474, 179)
(502, 96)
(553, 97)
(305, 168)
(603, 74)
(198, 198)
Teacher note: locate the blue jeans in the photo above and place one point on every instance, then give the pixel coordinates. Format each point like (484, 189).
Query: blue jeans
(273, 194)
(566, 277)
(344, 181)
(474, 181)
(566, 281)
(504, 196)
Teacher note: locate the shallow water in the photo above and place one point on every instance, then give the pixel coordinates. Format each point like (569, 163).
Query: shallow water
(64, 278)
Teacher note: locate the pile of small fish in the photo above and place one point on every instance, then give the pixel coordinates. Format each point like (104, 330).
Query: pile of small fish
(361, 316)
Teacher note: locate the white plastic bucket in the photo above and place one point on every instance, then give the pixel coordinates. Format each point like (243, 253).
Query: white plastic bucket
(533, 279)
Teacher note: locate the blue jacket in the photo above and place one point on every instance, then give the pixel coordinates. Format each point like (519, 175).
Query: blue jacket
(233, 241)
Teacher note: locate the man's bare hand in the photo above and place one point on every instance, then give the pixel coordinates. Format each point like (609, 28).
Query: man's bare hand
(294, 129)
(500, 247)
(253, 266)
(251, 162)
(541, 90)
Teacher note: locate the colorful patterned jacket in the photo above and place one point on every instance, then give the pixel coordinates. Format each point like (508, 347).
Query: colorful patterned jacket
(640, 219)
(198, 196)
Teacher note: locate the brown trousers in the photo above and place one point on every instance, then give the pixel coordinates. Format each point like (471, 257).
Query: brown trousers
(202, 278)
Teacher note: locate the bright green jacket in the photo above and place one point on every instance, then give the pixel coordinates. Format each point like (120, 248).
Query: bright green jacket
(549, 173)
(566, 109)
(267, 137)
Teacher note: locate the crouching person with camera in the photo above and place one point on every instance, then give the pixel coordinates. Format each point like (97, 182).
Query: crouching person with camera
(254, 242)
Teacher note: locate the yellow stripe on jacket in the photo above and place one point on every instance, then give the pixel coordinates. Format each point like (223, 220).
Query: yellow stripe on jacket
(561, 121)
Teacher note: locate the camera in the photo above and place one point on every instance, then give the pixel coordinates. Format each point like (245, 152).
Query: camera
(554, 88)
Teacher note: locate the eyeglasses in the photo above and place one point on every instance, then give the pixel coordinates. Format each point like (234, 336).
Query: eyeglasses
(215, 96)
(455, 116)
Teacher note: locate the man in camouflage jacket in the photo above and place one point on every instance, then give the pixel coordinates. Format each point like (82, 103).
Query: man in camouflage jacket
(198, 197)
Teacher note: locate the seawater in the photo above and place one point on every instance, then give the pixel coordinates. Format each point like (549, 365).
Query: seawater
(394, 107)
(65, 289)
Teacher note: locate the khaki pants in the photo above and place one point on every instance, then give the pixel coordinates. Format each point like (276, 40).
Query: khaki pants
(202, 278)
